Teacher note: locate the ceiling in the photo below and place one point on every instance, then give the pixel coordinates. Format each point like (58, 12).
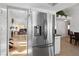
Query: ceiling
(69, 11)
(54, 7)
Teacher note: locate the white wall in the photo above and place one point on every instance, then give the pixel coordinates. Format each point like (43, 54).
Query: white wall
(3, 32)
(61, 27)
(75, 19)
(74, 13)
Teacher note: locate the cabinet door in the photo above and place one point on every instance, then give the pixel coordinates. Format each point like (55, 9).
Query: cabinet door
(57, 44)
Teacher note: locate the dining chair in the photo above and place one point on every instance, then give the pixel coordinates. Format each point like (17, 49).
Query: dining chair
(76, 37)
(72, 37)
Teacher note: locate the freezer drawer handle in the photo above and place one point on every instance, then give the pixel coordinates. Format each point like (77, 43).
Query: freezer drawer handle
(44, 46)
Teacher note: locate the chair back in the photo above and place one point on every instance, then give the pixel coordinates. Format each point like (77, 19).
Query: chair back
(76, 35)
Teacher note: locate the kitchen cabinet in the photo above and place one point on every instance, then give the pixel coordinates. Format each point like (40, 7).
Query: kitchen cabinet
(57, 44)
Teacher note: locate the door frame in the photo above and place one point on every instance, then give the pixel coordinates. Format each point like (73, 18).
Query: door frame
(15, 8)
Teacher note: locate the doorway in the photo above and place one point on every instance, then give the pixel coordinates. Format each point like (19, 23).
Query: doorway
(17, 32)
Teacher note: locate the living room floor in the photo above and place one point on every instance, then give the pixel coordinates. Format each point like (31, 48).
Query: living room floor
(68, 49)
(20, 45)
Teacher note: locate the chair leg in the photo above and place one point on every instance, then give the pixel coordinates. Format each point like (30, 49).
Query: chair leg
(76, 42)
(70, 41)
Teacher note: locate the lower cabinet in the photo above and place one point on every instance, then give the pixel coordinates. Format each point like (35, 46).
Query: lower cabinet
(57, 44)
